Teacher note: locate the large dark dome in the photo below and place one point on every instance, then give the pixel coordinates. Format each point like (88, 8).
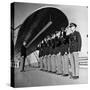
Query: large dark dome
(35, 23)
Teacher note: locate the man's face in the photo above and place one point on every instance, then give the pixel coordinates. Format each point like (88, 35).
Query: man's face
(68, 30)
(48, 38)
(45, 39)
(53, 36)
(42, 41)
(73, 28)
(24, 43)
(57, 34)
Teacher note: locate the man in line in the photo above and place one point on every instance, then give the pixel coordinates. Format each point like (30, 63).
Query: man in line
(64, 52)
(40, 56)
(45, 54)
(65, 60)
(49, 54)
(75, 47)
(53, 61)
(58, 60)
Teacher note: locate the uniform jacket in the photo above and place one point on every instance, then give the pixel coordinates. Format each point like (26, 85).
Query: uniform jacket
(75, 41)
(64, 44)
(49, 44)
(53, 46)
(40, 52)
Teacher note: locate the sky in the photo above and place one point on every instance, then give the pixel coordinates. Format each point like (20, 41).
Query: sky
(76, 14)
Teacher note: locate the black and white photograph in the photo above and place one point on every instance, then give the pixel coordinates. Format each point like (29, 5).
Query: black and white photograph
(49, 44)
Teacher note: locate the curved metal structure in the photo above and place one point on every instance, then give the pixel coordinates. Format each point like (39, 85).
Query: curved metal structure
(38, 25)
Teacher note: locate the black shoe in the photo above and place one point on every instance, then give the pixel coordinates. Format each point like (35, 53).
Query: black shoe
(22, 71)
(53, 71)
(45, 70)
(75, 77)
(59, 73)
(50, 71)
(41, 69)
(66, 75)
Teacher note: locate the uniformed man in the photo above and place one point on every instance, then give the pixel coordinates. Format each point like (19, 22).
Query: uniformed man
(45, 54)
(53, 61)
(51, 57)
(75, 47)
(56, 51)
(59, 58)
(40, 57)
(49, 54)
(64, 52)
(66, 58)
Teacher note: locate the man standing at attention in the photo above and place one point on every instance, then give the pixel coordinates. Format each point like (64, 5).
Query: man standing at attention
(75, 47)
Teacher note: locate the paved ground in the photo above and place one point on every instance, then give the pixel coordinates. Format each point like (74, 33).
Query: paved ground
(35, 77)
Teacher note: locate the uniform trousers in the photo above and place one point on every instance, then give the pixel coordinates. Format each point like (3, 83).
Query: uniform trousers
(59, 64)
(49, 62)
(74, 61)
(65, 64)
(45, 62)
(41, 63)
(53, 63)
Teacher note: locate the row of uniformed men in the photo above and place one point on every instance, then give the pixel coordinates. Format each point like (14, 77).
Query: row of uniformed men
(57, 54)
(53, 55)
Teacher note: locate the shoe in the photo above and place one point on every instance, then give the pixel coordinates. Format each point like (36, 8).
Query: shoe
(66, 75)
(22, 71)
(75, 77)
(50, 71)
(46, 70)
(59, 73)
(41, 70)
